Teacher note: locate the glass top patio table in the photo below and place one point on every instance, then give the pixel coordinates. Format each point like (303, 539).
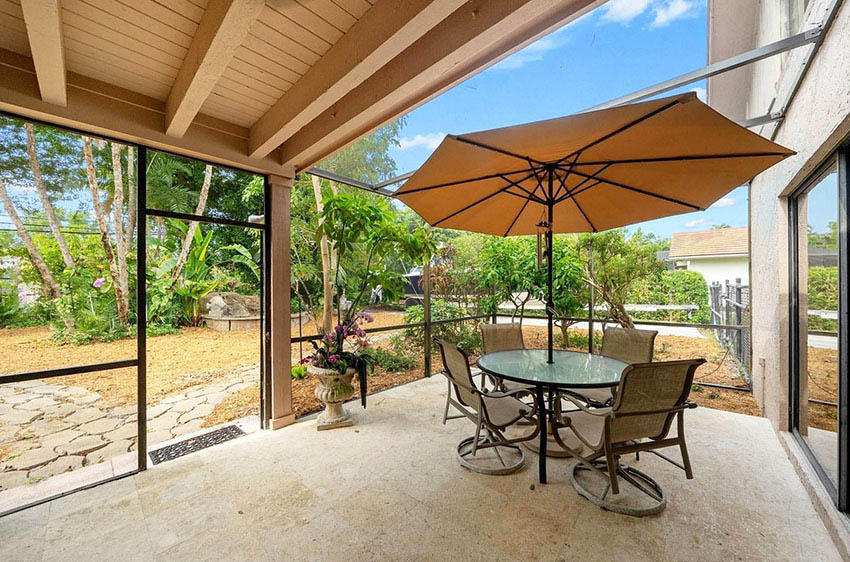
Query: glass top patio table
(570, 369)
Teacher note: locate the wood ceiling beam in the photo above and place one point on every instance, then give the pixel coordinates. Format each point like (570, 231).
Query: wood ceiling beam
(383, 32)
(223, 28)
(472, 38)
(43, 19)
(103, 109)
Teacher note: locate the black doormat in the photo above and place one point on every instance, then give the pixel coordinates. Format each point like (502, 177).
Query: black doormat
(187, 446)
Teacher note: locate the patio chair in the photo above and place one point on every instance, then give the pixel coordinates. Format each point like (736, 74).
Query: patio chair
(491, 412)
(503, 337)
(627, 345)
(648, 397)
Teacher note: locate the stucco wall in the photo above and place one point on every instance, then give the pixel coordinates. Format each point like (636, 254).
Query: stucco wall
(816, 122)
(720, 270)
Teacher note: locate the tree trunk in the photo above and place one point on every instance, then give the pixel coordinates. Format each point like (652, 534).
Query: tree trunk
(118, 222)
(45, 200)
(91, 175)
(130, 229)
(193, 226)
(327, 266)
(49, 285)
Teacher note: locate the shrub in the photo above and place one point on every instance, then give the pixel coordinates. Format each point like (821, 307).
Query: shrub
(673, 286)
(822, 295)
(465, 334)
(393, 360)
(298, 372)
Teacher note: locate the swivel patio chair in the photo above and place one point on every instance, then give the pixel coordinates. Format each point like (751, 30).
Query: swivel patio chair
(648, 397)
(627, 345)
(503, 337)
(491, 412)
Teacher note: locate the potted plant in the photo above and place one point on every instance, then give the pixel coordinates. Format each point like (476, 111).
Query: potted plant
(336, 359)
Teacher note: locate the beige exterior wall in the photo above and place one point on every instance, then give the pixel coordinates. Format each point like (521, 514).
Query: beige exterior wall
(719, 269)
(816, 122)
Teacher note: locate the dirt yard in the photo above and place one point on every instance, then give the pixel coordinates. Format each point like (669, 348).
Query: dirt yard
(202, 356)
(718, 369)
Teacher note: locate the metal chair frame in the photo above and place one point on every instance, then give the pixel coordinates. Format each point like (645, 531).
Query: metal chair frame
(493, 433)
(610, 468)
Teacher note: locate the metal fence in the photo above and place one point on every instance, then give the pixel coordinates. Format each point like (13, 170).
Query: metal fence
(730, 305)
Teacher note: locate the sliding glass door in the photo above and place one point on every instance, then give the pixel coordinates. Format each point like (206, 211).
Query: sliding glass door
(819, 327)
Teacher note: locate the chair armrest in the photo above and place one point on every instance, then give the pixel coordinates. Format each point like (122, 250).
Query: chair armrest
(583, 407)
(513, 394)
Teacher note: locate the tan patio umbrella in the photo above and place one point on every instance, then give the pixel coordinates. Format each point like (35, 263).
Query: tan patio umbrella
(588, 172)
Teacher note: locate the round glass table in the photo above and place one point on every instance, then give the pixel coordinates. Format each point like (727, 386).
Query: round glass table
(569, 370)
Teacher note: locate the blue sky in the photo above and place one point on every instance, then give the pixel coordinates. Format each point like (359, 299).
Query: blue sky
(618, 48)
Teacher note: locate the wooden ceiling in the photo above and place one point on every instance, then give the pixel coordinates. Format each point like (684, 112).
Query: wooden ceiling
(271, 86)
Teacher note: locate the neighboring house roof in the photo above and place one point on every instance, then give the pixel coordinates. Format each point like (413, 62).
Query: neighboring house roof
(715, 242)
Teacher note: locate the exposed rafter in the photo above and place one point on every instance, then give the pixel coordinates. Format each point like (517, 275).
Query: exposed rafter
(383, 32)
(43, 19)
(108, 110)
(471, 38)
(222, 30)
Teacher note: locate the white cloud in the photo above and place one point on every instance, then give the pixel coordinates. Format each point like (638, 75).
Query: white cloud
(670, 11)
(725, 202)
(531, 53)
(429, 140)
(701, 93)
(624, 11)
(665, 11)
(695, 223)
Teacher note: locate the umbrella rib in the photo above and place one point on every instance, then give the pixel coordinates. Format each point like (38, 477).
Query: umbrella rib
(678, 158)
(521, 211)
(521, 188)
(478, 202)
(623, 128)
(575, 192)
(580, 210)
(642, 191)
(577, 189)
(497, 149)
(458, 182)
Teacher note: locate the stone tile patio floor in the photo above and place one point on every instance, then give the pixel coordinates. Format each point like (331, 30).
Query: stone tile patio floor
(390, 488)
(49, 428)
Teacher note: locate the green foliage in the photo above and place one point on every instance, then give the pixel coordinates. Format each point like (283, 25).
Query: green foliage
(822, 295)
(9, 305)
(465, 334)
(394, 360)
(613, 263)
(671, 287)
(298, 372)
(508, 272)
(827, 239)
(365, 236)
(368, 159)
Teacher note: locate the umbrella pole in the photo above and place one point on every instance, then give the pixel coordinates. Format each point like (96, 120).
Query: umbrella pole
(550, 303)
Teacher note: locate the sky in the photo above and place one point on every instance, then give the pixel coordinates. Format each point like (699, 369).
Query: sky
(622, 46)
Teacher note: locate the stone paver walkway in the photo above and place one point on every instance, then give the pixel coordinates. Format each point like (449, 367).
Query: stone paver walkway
(47, 428)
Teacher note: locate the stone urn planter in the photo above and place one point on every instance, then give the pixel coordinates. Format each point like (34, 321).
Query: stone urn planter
(333, 389)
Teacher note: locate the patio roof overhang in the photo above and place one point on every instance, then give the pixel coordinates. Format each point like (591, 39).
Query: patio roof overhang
(271, 87)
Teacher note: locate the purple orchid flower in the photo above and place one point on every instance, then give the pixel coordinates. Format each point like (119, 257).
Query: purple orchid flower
(98, 283)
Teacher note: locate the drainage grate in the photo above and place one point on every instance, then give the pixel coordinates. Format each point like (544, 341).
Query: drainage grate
(187, 446)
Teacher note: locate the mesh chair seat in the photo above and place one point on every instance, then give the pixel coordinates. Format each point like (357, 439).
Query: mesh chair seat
(648, 399)
(492, 413)
(626, 345)
(505, 411)
(589, 429)
(598, 395)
